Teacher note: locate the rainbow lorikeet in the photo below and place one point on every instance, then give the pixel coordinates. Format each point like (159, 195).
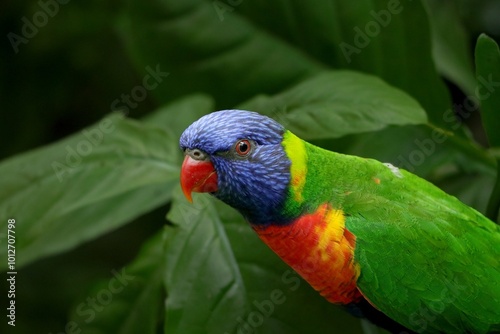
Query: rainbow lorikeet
(379, 240)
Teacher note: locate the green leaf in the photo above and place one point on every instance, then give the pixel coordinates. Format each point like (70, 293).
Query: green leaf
(94, 181)
(450, 45)
(221, 278)
(203, 53)
(390, 39)
(488, 77)
(200, 264)
(128, 302)
(85, 185)
(337, 103)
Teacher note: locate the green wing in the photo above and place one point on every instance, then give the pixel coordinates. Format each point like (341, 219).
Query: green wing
(426, 259)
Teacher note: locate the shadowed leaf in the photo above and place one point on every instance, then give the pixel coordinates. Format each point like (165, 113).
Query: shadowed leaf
(337, 103)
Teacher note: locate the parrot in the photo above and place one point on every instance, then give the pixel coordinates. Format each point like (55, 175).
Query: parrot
(375, 239)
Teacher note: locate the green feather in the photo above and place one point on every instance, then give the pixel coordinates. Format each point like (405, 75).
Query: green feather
(426, 259)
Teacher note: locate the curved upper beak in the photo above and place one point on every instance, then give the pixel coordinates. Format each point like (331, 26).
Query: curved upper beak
(197, 176)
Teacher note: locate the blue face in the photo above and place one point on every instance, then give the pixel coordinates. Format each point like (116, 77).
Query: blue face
(252, 168)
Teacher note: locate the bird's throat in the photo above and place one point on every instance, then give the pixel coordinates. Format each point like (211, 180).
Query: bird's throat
(320, 249)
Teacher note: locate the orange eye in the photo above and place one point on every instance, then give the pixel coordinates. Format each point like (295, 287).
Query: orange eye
(243, 147)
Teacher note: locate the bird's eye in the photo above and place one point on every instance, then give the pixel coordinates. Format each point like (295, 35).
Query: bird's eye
(243, 147)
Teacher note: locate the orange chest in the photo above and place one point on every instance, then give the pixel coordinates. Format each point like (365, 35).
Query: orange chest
(320, 249)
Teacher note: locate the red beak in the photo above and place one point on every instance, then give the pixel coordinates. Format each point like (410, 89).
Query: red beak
(197, 176)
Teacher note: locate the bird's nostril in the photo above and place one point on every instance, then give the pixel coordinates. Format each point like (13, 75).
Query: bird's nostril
(196, 154)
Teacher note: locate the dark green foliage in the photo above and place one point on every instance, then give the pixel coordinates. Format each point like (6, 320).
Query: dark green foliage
(81, 201)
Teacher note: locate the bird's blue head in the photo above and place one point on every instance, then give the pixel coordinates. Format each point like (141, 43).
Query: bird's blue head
(238, 157)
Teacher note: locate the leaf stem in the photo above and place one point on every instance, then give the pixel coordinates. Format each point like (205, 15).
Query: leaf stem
(468, 147)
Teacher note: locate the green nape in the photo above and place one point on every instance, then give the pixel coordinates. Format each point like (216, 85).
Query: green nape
(319, 176)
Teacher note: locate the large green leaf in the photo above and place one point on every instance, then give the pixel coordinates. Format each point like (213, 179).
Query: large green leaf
(235, 52)
(337, 103)
(130, 301)
(89, 183)
(488, 77)
(92, 182)
(221, 278)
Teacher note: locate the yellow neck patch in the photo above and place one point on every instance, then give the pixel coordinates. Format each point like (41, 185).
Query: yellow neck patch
(331, 231)
(296, 152)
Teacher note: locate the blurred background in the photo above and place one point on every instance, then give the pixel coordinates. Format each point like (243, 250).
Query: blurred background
(66, 77)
